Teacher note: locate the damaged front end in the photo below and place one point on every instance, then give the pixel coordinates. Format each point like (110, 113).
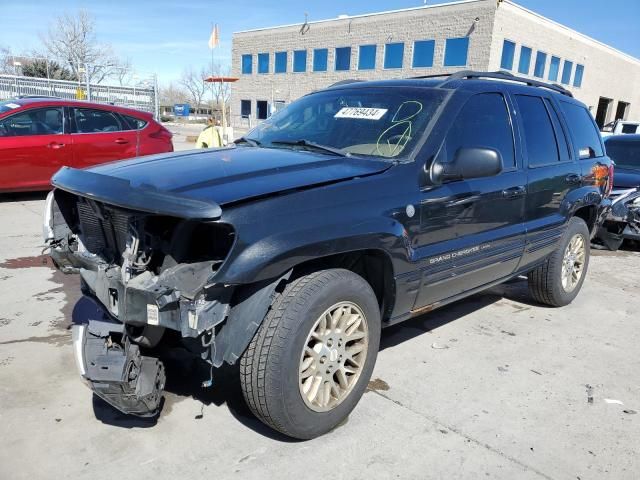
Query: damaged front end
(622, 221)
(148, 264)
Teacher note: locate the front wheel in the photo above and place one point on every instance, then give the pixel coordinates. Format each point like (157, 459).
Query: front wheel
(558, 281)
(311, 359)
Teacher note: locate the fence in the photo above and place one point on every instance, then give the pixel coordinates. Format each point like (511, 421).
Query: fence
(145, 98)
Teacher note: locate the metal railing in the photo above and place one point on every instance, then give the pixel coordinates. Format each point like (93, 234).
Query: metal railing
(140, 98)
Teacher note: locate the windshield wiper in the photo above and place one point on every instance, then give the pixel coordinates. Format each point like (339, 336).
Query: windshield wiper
(306, 143)
(249, 141)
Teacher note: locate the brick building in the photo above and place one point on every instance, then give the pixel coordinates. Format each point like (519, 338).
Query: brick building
(279, 64)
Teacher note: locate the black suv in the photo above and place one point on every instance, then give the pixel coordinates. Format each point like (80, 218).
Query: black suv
(352, 209)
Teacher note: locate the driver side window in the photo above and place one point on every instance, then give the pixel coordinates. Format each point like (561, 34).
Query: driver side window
(38, 121)
(483, 122)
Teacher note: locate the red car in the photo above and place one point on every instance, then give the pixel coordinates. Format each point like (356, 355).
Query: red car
(40, 135)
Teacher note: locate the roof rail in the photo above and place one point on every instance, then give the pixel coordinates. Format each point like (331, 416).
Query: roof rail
(344, 82)
(501, 75)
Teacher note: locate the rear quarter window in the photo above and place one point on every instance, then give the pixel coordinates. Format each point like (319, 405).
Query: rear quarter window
(583, 129)
(134, 123)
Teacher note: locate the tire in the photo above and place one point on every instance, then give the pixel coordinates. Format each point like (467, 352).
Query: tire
(270, 377)
(546, 281)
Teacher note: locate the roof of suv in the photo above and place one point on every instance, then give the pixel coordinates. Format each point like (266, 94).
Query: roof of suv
(461, 80)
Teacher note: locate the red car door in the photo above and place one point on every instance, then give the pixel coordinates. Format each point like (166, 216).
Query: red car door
(100, 136)
(33, 146)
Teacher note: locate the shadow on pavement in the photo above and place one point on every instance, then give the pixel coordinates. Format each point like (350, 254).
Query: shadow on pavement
(22, 196)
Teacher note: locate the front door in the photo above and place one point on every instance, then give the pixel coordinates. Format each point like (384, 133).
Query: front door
(100, 136)
(33, 146)
(471, 230)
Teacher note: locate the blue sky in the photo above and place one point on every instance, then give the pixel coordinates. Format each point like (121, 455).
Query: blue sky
(165, 36)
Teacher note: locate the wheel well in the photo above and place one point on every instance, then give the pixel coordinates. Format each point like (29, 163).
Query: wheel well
(589, 215)
(372, 265)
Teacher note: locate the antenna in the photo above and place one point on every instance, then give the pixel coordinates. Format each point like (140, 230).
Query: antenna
(305, 26)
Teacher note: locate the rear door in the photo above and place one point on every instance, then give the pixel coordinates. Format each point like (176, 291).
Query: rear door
(33, 146)
(471, 230)
(552, 173)
(100, 136)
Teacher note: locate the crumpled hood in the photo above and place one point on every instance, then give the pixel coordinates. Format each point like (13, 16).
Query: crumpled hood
(233, 174)
(626, 178)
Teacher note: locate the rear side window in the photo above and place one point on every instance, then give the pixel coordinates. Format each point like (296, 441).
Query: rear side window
(629, 128)
(583, 129)
(540, 140)
(626, 154)
(39, 121)
(483, 122)
(134, 122)
(88, 120)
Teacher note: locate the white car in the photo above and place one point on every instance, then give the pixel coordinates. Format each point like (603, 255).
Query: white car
(620, 127)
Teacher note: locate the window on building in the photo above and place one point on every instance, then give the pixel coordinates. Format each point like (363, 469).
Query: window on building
(525, 60)
(263, 63)
(541, 61)
(540, 140)
(566, 72)
(367, 57)
(554, 68)
(583, 129)
(300, 61)
(423, 53)
(455, 52)
(393, 55)
(262, 107)
(320, 59)
(245, 108)
(482, 122)
(247, 64)
(577, 79)
(281, 62)
(343, 58)
(508, 52)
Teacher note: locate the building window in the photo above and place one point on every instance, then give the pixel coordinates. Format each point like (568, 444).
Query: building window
(566, 72)
(300, 61)
(554, 67)
(262, 109)
(245, 108)
(508, 52)
(343, 58)
(423, 53)
(525, 60)
(263, 63)
(455, 52)
(541, 61)
(320, 59)
(367, 57)
(577, 79)
(281, 62)
(393, 55)
(247, 64)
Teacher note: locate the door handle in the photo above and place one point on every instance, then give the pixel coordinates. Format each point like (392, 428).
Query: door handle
(55, 145)
(121, 141)
(514, 192)
(573, 178)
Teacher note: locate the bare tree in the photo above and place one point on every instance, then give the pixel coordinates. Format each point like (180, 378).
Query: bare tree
(6, 66)
(172, 94)
(220, 91)
(72, 41)
(193, 82)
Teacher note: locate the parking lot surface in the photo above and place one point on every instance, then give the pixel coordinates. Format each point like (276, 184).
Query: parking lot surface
(493, 386)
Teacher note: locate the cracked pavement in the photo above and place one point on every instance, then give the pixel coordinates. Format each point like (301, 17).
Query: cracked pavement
(493, 386)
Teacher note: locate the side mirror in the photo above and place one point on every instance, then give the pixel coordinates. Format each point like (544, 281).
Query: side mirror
(475, 162)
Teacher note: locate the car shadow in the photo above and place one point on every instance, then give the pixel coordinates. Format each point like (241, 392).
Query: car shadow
(185, 373)
(23, 196)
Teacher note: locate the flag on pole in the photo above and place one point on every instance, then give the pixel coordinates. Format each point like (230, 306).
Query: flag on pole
(214, 39)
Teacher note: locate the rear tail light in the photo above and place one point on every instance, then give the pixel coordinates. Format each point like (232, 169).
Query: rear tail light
(162, 134)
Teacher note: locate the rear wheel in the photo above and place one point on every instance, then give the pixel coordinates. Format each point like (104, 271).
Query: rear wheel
(311, 359)
(558, 281)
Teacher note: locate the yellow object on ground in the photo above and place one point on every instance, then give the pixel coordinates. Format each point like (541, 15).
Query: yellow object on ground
(210, 137)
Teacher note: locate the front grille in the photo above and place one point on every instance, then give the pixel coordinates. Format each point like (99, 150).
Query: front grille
(104, 229)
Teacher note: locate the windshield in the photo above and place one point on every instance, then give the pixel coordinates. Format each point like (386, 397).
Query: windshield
(378, 122)
(626, 154)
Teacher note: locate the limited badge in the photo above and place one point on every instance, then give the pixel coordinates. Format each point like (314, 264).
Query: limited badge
(153, 317)
(411, 210)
